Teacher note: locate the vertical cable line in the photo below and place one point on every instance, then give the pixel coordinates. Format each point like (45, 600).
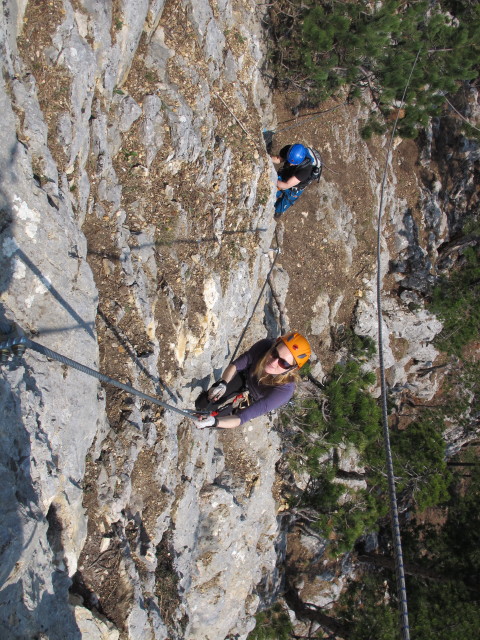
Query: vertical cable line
(277, 250)
(397, 542)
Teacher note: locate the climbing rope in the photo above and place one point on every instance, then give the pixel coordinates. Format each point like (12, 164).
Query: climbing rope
(258, 299)
(397, 547)
(18, 345)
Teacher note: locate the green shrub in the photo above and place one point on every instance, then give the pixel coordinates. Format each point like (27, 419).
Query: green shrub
(272, 624)
(306, 370)
(373, 126)
(420, 467)
(348, 414)
(456, 300)
(369, 614)
(354, 415)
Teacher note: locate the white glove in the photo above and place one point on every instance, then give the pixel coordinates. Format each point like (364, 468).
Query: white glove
(217, 390)
(208, 421)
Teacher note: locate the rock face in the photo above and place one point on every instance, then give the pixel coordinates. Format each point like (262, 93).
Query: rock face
(91, 92)
(50, 415)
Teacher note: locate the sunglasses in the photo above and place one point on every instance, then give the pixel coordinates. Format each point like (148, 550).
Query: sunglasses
(284, 364)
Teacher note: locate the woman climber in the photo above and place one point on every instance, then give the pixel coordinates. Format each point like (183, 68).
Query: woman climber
(260, 380)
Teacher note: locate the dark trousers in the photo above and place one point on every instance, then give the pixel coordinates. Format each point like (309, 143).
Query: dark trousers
(234, 387)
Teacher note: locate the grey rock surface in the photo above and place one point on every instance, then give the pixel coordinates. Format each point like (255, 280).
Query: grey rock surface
(49, 414)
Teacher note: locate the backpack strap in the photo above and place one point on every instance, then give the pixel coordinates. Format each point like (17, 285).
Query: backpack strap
(317, 163)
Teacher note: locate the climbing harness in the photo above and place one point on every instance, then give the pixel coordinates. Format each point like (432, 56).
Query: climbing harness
(238, 400)
(17, 346)
(237, 397)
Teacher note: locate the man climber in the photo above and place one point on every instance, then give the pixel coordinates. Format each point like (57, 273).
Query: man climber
(301, 165)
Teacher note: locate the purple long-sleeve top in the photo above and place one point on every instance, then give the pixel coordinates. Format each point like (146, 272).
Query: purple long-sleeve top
(264, 398)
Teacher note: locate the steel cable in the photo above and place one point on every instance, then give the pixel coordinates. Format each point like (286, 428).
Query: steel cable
(307, 116)
(397, 546)
(19, 344)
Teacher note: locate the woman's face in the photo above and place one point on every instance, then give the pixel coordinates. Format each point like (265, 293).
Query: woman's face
(279, 355)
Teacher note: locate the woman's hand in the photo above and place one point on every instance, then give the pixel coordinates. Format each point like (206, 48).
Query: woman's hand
(216, 391)
(205, 421)
(224, 422)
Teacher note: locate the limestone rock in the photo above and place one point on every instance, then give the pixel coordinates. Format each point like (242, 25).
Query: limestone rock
(54, 413)
(93, 625)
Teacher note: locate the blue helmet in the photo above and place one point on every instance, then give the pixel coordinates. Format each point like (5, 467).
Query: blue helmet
(296, 154)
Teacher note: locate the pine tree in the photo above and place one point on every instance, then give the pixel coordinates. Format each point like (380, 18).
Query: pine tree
(373, 46)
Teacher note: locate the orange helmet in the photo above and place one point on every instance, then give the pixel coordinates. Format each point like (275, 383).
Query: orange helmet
(298, 347)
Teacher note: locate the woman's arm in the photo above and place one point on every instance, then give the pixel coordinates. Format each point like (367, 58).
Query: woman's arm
(228, 422)
(278, 397)
(229, 372)
(274, 399)
(223, 422)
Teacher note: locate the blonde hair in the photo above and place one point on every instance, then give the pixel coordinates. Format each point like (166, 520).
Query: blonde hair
(270, 380)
